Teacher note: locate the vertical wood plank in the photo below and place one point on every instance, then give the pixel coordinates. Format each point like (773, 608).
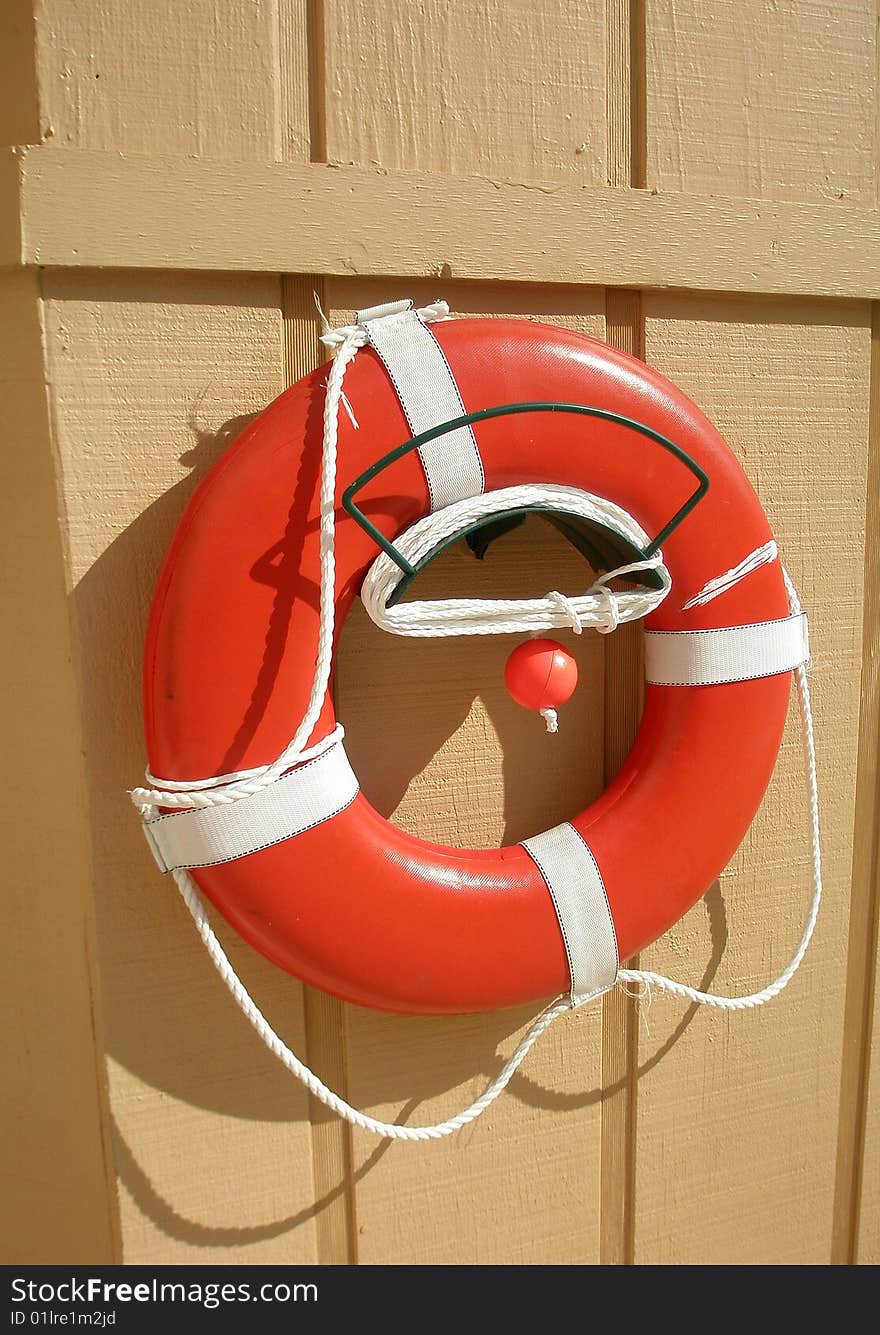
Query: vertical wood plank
(59, 1197)
(764, 100)
(619, 79)
(324, 1015)
(448, 755)
(512, 90)
(504, 87)
(738, 1114)
(301, 81)
(155, 76)
(295, 109)
(624, 696)
(858, 1203)
(152, 377)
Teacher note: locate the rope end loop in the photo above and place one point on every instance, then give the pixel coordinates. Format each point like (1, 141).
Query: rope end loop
(551, 718)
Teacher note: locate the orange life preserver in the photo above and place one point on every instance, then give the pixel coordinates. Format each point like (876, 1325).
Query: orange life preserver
(353, 905)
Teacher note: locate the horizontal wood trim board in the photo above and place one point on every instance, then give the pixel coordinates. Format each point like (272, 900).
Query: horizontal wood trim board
(84, 208)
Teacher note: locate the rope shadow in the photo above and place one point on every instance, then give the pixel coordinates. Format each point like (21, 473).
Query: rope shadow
(176, 1225)
(538, 1097)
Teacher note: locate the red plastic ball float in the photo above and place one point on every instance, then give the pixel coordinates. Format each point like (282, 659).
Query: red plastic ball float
(541, 674)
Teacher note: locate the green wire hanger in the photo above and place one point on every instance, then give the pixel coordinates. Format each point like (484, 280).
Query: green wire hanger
(596, 542)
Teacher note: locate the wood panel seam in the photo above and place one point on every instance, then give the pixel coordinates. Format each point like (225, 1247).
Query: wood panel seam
(638, 95)
(317, 92)
(90, 948)
(59, 1139)
(326, 1031)
(865, 900)
(624, 329)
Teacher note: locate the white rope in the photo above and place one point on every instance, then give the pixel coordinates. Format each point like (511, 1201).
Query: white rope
(241, 783)
(218, 789)
(551, 718)
(761, 556)
(600, 607)
(196, 792)
(316, 1087)
(651, 980)
(357, 333)
(625, 978)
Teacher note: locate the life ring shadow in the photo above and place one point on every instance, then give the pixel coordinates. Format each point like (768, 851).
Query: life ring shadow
(153, 969)
(193, 1232)
(165, 1017)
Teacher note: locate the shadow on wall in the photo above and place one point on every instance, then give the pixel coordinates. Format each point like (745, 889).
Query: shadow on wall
(163, 1213)
(168, 1019)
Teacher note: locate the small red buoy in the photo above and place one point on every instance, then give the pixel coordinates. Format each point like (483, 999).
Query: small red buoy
(541, 675)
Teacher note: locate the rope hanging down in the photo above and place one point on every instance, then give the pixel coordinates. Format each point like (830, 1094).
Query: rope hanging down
(241, 783)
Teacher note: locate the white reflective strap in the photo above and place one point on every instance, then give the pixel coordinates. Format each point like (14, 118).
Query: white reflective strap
(429, 396)
(576, 887)
(732, 653)
(206, 836)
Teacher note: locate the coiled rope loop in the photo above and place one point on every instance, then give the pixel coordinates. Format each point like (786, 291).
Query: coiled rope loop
(600, 607)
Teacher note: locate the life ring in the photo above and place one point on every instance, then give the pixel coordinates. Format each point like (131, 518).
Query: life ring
(352, 904)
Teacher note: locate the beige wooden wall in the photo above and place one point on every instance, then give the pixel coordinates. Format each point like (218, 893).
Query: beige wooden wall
(698, 184)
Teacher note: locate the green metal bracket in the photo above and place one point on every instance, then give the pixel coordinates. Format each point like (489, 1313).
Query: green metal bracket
(508, 519)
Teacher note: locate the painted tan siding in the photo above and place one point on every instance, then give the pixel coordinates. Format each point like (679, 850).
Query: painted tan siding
(700, 190)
